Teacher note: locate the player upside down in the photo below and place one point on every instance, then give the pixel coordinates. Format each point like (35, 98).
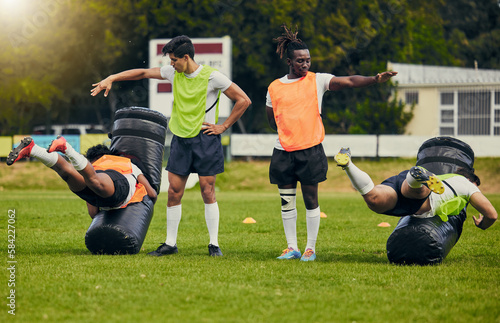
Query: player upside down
(101, 178)
(420, 193)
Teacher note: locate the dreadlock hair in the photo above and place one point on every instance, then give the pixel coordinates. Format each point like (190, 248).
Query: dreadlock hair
(288, 42)
(179, 46)
(97, 151)
(469, 174)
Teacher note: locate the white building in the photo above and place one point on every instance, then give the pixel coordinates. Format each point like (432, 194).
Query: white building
(450, 101)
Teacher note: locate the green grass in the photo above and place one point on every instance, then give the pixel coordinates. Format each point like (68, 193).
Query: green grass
(58, 280)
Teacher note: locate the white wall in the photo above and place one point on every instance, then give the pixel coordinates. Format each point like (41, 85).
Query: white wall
(261, 145)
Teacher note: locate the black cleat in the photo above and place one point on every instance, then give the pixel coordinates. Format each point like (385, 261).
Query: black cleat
(214, 251)
(427, 178)
(163, 250)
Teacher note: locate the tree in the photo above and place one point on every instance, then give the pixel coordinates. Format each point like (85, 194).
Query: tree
(54, 50)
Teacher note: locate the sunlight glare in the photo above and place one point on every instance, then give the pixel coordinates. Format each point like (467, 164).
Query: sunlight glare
(12, 5)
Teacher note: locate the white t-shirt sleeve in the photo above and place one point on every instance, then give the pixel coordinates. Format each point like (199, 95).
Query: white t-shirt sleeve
(219, 81)
(465, 187)
(167, 72)
(323, 81)
(268, 100)
(136, 171)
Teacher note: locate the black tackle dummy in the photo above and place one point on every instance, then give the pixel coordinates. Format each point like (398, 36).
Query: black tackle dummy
(139, 134)
(428, 241)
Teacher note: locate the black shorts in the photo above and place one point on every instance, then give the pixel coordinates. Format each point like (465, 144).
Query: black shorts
(404, 206)
(201, 154)
(308, 166)
(122, 189)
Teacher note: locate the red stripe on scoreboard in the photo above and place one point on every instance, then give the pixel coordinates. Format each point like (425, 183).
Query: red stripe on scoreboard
(164, 87)
(206, 48)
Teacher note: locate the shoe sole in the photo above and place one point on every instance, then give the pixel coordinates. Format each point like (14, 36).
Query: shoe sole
(14, 154)
(435, 185)
(308, 259)
(289, 257)
(430, 180)
(342, 159)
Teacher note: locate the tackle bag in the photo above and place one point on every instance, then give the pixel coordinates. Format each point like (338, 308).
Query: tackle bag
(138, 133)
(428, 241)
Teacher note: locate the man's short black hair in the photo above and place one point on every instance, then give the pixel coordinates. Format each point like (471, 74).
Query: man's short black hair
(469, 174)
(179, 46)
(96, 152)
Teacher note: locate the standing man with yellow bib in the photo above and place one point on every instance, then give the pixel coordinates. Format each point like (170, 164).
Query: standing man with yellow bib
(294, 110)
(196, 145)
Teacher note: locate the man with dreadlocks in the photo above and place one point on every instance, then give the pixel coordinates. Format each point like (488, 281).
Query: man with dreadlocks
(293, 106)
(196, 145)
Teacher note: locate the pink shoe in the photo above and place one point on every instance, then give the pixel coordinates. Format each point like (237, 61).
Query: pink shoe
(21, 151)
(58, 144)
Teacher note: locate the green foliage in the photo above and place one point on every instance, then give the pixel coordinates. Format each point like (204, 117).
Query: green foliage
(389, 117)
(53, 51)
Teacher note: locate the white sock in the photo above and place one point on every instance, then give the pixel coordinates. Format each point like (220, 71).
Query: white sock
(48, 159)
(75, 158)
(290, 226)
(212, 220)
(173, 219)
(412, 182)
(312, 219)
(359, 179)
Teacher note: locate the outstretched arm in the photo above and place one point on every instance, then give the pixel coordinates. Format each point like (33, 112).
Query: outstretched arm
(488, 215)
(151, 191)
(342, 82)
(241, 103)
(129, 75)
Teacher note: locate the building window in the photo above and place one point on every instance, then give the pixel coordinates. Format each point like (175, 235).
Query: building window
(446, 116)
(411, 97)
(447, 131)
(469, 111)
(447, 98)
(474, 112)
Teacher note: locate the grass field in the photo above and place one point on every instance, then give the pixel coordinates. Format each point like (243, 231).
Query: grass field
(58, 280)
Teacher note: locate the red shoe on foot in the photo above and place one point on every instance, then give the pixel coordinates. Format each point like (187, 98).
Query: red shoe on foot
(58, 144)
(21, 151)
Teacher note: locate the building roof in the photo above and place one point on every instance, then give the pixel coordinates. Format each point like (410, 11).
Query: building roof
(413, 74)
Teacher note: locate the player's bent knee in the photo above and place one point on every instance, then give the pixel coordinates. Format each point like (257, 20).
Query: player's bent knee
(174, 195)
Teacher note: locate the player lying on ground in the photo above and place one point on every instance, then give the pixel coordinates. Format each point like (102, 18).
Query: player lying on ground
(420, 193)
(101, 178)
